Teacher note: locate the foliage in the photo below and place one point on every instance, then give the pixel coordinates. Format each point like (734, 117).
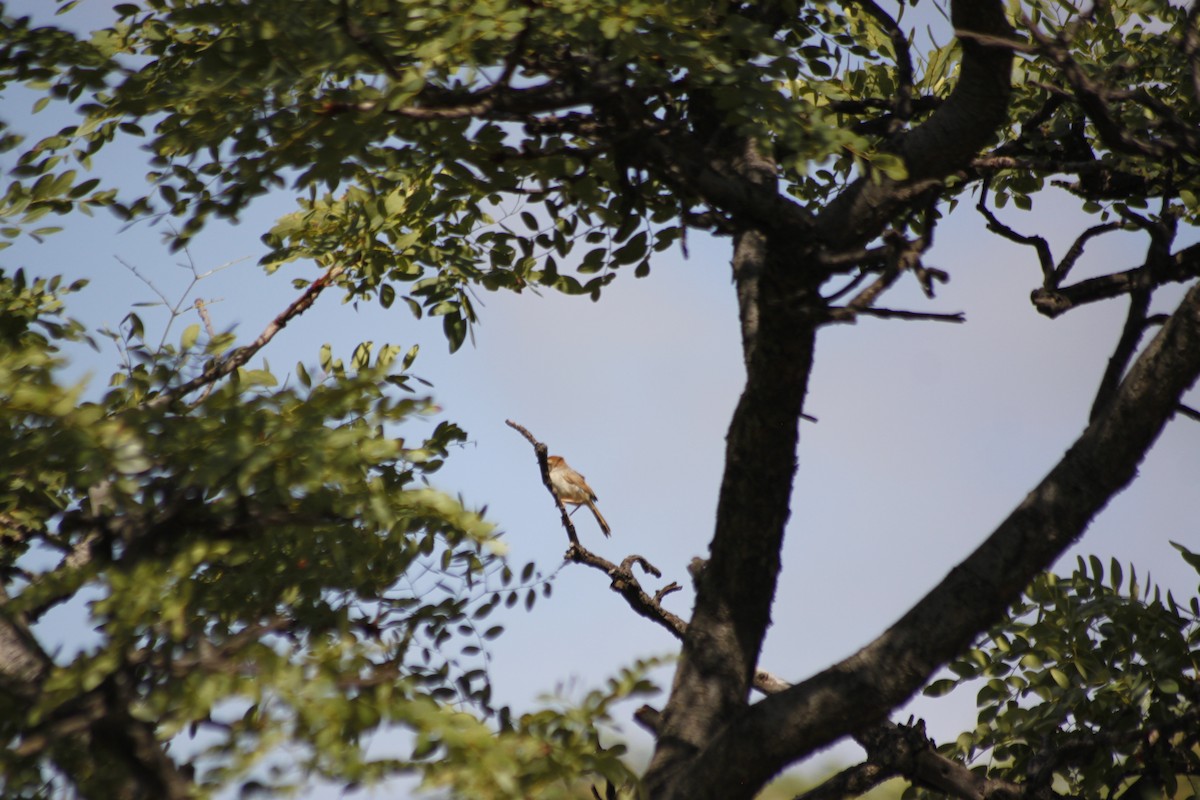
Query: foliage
(1090, 686)
(259, 556)
(260, 565)
(423, 201)
(261, 568)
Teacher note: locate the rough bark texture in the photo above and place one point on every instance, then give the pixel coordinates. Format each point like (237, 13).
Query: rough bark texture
(943, 144)
(865, 687)
(780, 311)
(779, 315)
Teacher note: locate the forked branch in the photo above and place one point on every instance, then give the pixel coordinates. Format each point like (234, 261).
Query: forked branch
(223, 367)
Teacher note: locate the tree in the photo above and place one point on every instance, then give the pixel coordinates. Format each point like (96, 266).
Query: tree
(273, 522)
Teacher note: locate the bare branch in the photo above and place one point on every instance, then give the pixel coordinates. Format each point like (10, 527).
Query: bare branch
(221, 368)
(1038, 243)
(850, 782)
(1189, 412)
(867, 297)
(902, 255)
(670, 588)
(1181, 266)
(847, 314)
(1131, 336)
(540, 451)
(1076, 250)
(626, 584)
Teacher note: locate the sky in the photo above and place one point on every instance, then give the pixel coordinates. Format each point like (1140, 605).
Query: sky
(929, 434)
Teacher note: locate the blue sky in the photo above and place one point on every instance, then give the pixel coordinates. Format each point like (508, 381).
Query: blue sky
(928, 433)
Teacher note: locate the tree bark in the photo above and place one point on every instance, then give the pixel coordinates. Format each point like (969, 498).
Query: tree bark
(862, 689)
(779, 316)
(781, 309)
(946, 142)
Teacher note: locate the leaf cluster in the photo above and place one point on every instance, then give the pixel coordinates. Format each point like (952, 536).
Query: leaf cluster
(261, 567)
(472, 143)
(1089, 688)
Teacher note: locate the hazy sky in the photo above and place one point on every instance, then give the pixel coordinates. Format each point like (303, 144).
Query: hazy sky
(928, 433)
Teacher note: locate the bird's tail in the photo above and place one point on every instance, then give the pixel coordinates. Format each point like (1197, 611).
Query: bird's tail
(600, 518)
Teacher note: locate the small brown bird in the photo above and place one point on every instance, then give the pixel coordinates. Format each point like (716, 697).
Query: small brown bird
(571, 488)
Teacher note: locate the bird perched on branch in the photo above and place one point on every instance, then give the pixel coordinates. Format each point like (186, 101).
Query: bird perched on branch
(571, 488)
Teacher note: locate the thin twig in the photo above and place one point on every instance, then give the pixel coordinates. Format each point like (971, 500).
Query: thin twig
(1189, 412)
(1131, 336)
(1038, 243)
(845, 314)
(541, 452)
(1076, 250)
(221, 368)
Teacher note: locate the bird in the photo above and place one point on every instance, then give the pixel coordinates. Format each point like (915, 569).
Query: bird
(571, 488)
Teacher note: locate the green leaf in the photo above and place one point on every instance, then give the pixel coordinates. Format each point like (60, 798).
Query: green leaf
(455, 329)
(1193, 559)
(191, 334)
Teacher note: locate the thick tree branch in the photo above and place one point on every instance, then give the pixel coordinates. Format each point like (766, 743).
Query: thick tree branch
(1191, 46)
(850, 782)
(862, 689)
(780, 311)
(97, 722)
(753, 204)
(23, 662)
(906, 750)
(944, 143)
(1181, 266)
(780, 314)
